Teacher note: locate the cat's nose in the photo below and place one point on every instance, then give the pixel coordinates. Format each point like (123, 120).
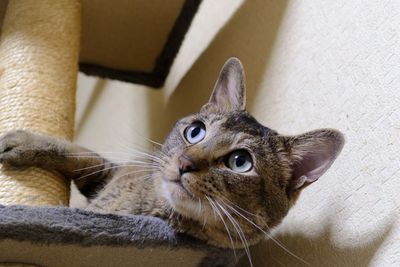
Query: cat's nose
(186, 164)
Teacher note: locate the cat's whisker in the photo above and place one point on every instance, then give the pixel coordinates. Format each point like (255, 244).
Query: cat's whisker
(162, 154)
(265, 233)
(240, 232)
(157, 159)
(253, 223)
(110, 168)
(147, 157)
(116, 166)
(200, 208)
(136, 152)
(142, 163)
(98, 171)
(131, 158)
(134, 172)
(118, 155)
(214, 207)
(141, 152)
(204, 222)
(124, 144)
(95, 153)
(153, 142)
(94, 166)
(114, 159)
(237, 206)
(92, 156)
(142, 136)
(120, 163)
(144, 167)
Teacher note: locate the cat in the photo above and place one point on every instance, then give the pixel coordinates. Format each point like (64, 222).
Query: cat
(220, 176)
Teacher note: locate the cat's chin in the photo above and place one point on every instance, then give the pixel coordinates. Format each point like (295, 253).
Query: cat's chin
(174, 191)
(181, 200)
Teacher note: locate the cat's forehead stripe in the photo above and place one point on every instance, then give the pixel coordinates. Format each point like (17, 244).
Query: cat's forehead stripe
(215, 119)
(243, 122)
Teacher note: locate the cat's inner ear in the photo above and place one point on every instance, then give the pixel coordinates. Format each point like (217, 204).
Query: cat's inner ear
(311, 155)
(229, 91)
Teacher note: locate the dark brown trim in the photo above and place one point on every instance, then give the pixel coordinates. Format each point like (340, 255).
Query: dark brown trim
(140, 77)
(157, 77)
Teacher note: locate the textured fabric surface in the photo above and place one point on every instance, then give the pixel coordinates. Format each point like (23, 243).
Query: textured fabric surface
(79, 226)
(336, 64)
(27, 234)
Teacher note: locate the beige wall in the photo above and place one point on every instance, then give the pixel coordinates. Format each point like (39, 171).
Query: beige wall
(309, 64)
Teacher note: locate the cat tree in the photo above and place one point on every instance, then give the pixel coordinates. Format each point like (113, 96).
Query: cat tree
(39, 54)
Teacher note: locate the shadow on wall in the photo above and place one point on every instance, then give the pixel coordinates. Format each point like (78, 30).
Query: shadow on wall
(317, 251)
(248, 35)
(89, 107)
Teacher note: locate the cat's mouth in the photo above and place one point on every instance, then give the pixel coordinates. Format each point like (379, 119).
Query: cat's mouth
(184, 187)
(177, 188)
(179, 184)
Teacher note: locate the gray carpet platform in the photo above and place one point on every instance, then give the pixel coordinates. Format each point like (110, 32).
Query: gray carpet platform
(60, 236)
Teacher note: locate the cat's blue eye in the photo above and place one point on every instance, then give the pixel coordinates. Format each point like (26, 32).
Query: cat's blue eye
(239, 161)
(195, 132)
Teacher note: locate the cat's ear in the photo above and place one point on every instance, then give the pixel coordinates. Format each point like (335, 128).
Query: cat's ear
(229, 91)
(311, 154)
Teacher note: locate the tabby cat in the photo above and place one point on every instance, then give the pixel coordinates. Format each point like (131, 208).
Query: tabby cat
(220, 175)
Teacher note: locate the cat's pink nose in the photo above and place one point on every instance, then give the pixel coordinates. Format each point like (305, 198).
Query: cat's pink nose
(186, 164)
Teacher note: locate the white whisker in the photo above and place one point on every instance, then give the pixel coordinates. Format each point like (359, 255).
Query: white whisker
(157, 159)
(266, 233)
(136, 151)
(93, 153)
(153, 142)
(214, 207)
(200, 208)
(114, 159)
(98, 171)
(121, 163)
(133, 172)
(248, 212)
(99, 155)
(240, 232)
(93, 166)
(150, 168)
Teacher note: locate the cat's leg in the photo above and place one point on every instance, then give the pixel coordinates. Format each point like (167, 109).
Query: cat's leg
(89, 170)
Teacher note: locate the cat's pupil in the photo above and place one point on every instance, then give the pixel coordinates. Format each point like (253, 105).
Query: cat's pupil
(195, 132)
(240, 160)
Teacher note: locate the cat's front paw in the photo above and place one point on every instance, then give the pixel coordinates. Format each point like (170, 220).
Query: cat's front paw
(17, 148)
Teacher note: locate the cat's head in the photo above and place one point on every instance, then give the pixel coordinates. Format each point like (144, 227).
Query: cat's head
(224, 169)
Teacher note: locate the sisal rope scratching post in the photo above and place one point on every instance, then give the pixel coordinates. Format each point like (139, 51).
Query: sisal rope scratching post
(39, 51)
